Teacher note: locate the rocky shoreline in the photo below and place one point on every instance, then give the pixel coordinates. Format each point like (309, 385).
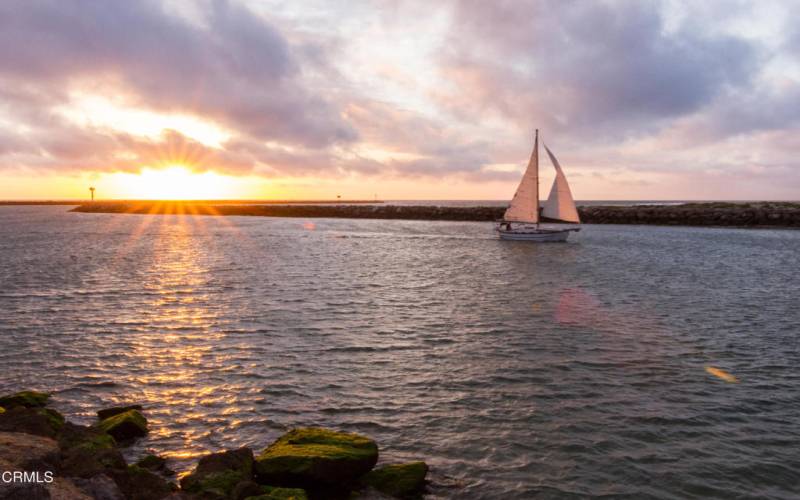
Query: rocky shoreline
(43, 456)
(755, 214)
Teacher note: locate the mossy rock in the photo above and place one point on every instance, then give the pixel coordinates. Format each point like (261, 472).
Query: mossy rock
(28, 399)
(276, 493)
(88, 438)
(116, 410)
(309, 457)
(36, 421)
(152, 463)
(245, 489)
(55, 419)
(136, 483)
(219, 473)
(87, 451)
(217, 483)
(400, 480)
(125, 426)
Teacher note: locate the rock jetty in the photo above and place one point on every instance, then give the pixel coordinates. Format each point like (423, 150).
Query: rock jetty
(50, 458)
(756, 214)
(761, 214)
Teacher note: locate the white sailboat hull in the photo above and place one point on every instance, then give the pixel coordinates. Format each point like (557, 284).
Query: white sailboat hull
(537, 235)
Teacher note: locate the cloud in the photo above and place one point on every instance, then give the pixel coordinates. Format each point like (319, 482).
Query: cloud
(235, 69)
(409, 89)
(609, 69)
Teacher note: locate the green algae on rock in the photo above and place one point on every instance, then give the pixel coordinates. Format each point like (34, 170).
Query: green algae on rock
(303, 463)
(28, 399)
(399, 480)
(136, 483)
(152, 463)
(87, 451)
(88, 438)
(123, 426)
(116, 410)
(219, 473)
(54, 418)
(308, 456)
(36, 421)
(277, 493)
(245, 489)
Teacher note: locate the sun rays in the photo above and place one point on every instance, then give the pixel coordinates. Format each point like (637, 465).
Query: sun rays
(175, 182)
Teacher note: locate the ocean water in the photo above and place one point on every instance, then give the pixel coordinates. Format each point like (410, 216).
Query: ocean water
(515, 370)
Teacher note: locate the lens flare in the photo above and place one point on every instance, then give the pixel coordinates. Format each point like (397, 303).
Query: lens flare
(722, 374)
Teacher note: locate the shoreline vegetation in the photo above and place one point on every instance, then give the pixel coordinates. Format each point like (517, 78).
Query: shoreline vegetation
(727, 214)
(56, 459)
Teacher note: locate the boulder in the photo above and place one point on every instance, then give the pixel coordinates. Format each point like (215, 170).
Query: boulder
(116, 410)
(369, 493)
(26, 491)
(37, 421)
(27, 452)
(218, 474)
(65, 489)
(309, 457)
(100, 487)
(154, 463)
(401, 480)
(277, 493)
(27, 399)
(136, 483)
(246, 489)
(87, 452)
(82, 436)
(124, 426)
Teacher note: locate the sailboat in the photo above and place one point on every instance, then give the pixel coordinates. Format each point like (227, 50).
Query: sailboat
(521, 219)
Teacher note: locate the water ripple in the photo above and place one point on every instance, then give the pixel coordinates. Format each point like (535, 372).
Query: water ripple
(516, 371)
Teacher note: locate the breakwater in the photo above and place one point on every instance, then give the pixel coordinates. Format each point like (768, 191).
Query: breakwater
(757, 214)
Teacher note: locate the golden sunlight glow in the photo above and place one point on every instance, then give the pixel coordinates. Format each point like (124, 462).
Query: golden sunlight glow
(175, 182)
(103, 112)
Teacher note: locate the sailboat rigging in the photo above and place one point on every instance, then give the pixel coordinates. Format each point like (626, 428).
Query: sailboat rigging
(521, 220)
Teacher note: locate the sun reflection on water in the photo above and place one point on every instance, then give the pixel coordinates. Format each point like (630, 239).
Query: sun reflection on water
(177, 351)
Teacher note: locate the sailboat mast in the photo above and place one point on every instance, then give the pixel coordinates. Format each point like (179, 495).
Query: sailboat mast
(536, 152)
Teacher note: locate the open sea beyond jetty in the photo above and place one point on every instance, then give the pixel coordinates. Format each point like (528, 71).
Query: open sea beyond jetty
(514, 370)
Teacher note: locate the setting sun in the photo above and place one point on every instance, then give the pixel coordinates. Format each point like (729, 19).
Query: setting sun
(175, 182)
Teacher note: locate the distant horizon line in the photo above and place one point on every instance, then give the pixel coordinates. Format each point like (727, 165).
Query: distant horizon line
(355, 200)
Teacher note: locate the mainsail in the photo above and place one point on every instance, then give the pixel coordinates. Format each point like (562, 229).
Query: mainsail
(524, 206)
(559, 204)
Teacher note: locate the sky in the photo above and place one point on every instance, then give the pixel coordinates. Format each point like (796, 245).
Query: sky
(395, 99)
